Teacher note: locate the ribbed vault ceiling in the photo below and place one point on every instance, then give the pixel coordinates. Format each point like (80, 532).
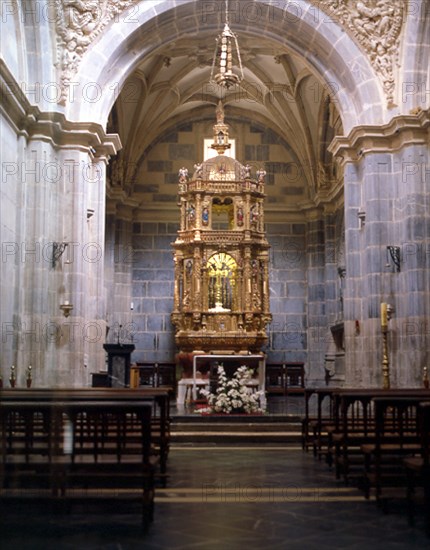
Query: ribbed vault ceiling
(172, 86)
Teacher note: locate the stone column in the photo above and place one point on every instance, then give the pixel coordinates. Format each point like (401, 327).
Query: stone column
(387, 181)
(59, 238)
(317, 321)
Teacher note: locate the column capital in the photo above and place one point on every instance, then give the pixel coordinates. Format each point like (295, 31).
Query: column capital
(52, 127)
(402, 130)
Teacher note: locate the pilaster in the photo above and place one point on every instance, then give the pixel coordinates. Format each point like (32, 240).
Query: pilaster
(387, 205)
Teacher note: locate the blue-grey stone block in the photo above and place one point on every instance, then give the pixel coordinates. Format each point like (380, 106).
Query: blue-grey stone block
(163, 275)
(275, 356)
(146, 188)
(296, 290)
(138, 289)
(160, 289)
(162, 229)
(376, 233)
(145, 341)
(164, 197)
(164, 305)
(417, 280)
(295, 305)
(155, 323)
(298, 229)
(166, 340)
(142, 242)
(163, 242)
(148, 305)
(149, 228)
(276, 289)
(330, 292)
(277, 323)
(289, 340)
(171, 178)
(155, 259)
(160, 165)
(172, 228)
(376, 259)
(182, 151)
(172, 137)
(416, 228)
(142, 274)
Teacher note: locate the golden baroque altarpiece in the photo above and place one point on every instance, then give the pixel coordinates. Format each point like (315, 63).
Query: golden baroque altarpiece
(221, 258)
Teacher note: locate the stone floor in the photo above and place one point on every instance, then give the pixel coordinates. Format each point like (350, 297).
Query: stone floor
(293, 405)
(229, 497)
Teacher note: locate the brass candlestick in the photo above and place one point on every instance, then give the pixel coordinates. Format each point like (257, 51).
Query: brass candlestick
(385, 360)
(426, 378)
(29, 379)
(12, 378)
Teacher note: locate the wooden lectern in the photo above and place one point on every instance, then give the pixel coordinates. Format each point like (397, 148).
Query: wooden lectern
(119, 364)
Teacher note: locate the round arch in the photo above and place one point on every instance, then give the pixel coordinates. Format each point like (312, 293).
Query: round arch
(327, 48)
(415, 60)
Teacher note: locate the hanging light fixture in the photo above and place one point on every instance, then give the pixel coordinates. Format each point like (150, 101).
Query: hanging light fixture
(226, 43)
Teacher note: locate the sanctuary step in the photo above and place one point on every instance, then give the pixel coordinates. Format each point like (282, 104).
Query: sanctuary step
(236, 429)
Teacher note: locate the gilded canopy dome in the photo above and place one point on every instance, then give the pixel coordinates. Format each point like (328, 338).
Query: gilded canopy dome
(221, 168)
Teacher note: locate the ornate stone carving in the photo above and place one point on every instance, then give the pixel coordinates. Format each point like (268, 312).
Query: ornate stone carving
(78, 23)
(376, 24)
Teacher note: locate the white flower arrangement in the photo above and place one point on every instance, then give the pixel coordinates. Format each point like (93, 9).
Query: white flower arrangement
(233, 395)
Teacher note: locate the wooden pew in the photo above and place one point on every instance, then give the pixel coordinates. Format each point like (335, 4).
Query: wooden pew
(396, 436)
(286, 377)
(77, 451)
(418, 467)
(307, 438)
(159, 398)
(354, 425)
(318, 427)
(157, 375)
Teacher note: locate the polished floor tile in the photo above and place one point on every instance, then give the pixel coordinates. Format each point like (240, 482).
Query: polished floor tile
(229, 498)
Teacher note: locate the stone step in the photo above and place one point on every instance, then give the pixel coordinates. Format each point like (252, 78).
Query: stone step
(235, 418)
(250, 427)
(232, 429)
(290, 438)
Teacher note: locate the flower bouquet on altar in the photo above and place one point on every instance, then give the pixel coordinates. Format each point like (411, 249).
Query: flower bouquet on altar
(234, 395)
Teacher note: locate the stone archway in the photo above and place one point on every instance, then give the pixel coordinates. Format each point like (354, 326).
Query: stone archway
(327, 48)
(338, 59)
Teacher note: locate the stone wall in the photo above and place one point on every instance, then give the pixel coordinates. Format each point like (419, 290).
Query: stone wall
(152, 293)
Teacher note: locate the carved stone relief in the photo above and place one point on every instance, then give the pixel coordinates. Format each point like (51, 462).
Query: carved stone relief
(376, 24)
(78, 23)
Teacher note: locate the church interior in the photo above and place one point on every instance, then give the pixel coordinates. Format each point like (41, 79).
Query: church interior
(215, 273)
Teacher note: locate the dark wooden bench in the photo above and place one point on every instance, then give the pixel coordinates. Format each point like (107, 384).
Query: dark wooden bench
(396, 436)
(158, 398)
(344, 421)
(284, 378)
(354, 425)
(157, 375)
(77, 451)
(418, 467)
(314, 425)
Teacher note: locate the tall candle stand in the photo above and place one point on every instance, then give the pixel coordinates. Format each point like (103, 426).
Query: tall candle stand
(385, 360)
